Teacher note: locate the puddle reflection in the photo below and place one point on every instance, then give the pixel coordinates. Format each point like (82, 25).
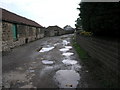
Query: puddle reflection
(64, 49)
(69, 62)
(67, 78)
(47, 62)
(67, 54)
(46, 49)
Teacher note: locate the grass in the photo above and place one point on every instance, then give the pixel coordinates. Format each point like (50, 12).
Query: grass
(81, 52)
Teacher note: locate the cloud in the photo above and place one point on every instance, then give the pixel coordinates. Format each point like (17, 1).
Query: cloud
(45, 12)
(100, 0)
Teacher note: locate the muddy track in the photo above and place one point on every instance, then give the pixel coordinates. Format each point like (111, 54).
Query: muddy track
(47, 63)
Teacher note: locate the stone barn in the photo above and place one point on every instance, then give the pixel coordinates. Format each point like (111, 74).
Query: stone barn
(54, 31)
(18, 30)
(68, 29)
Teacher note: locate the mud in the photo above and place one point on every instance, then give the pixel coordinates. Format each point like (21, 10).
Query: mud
(47, 63)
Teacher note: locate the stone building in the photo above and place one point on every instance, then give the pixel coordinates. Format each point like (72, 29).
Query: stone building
(18, 30)
(68, 29)
(54, 31)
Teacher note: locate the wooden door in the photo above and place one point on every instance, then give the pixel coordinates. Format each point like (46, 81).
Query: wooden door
(14, 30)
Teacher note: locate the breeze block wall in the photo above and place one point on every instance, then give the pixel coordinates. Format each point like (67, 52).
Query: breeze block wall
(104, 51)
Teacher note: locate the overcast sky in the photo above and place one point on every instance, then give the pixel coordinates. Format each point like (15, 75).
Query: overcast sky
(45, 12)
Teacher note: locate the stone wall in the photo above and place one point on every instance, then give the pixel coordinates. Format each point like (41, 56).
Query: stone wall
(61, 32)
(0, 36)
(42, 32)
(25, 34)
(105, 52)
(6, 31)
(54, 31)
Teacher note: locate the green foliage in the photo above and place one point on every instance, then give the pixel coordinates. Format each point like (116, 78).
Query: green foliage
(100, 18)
(85, 33)
(78, 23)
(81, 52)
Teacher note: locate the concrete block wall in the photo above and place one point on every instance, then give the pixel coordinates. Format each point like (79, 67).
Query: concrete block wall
(104, 51)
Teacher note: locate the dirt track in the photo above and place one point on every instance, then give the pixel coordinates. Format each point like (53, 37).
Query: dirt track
(47, 63)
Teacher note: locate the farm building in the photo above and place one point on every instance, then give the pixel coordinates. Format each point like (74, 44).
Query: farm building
(68, 29)
(18, 30)
(54, 31)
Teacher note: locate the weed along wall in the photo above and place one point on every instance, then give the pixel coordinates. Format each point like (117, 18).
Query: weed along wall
(104, 51)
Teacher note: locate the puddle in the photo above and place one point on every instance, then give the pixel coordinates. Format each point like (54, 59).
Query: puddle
(48, 69)
(56, 44)
(67, 54)
(68, 47)
(64, 49)
(46, 49)
(65, 42)
(31, 71)
(69, 62)
(67, 78)
(76, 67)
(47, 62)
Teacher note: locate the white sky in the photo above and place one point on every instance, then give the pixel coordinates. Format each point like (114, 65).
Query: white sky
(45, 12)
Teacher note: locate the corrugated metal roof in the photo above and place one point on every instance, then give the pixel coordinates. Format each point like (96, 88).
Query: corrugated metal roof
(14, 18)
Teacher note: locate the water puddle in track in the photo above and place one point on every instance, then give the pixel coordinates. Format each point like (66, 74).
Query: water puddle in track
(69, 62)
(56, 44)
(46, 49)
(32, 71)
(76, 67)
(65, 42)
(67, 54)
(67, 78)
(68, 47)
(47, 62)
(64, 78)
(49, 69)
(64, 49)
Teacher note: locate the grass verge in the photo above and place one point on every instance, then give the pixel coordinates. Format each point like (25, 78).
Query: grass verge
(81, 52)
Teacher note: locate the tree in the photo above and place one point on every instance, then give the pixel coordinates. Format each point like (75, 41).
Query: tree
(78, 23)
(100, 18)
